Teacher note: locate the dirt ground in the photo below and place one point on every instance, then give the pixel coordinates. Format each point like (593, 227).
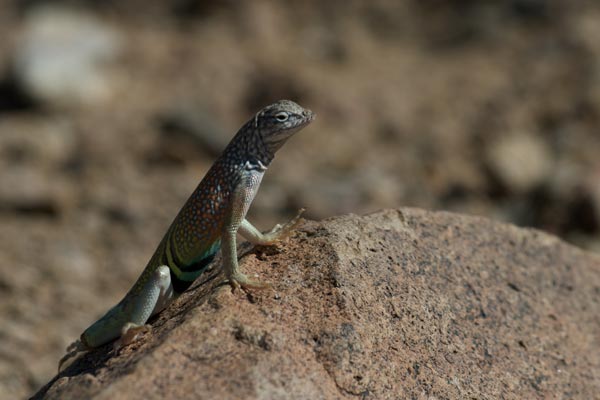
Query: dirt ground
(487, 108)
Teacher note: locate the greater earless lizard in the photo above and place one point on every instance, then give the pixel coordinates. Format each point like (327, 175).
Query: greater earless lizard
(208, 221)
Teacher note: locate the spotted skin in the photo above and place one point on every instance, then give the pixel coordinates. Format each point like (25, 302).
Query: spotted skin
(208, 221)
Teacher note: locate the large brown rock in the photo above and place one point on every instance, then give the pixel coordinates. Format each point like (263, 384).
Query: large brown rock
(397, 304)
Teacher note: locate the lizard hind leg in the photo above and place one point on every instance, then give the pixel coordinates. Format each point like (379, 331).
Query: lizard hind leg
(126, 320)
(161, 283)
(142, 301)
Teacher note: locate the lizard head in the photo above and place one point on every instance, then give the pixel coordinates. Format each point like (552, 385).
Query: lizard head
(279, 121)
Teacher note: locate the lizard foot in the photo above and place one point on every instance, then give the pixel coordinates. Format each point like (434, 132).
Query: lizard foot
(129, 334)
(241, 281)
(281, 232)
(74, 351)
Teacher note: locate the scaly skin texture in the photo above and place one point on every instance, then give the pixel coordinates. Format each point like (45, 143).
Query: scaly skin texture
(208, 221)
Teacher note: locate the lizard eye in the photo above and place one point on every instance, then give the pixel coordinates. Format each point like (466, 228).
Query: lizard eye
(282, 116)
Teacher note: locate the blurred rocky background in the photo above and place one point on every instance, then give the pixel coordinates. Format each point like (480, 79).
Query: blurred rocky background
(111, 111)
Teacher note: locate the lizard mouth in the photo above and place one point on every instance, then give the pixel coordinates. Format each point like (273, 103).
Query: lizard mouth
(308, 117)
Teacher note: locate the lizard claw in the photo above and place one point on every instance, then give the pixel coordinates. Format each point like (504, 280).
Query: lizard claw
(281, 232)
(241, 282)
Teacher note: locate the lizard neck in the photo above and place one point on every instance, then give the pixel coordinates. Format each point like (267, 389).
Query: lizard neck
(248, 146)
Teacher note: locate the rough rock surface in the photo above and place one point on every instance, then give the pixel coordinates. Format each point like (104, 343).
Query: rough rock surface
(396, 304)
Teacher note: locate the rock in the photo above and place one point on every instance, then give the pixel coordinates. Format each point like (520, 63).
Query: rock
(397, 304)
(521, 162)
(63, 54)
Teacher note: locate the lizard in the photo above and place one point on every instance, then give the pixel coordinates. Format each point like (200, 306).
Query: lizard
(208, 222)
